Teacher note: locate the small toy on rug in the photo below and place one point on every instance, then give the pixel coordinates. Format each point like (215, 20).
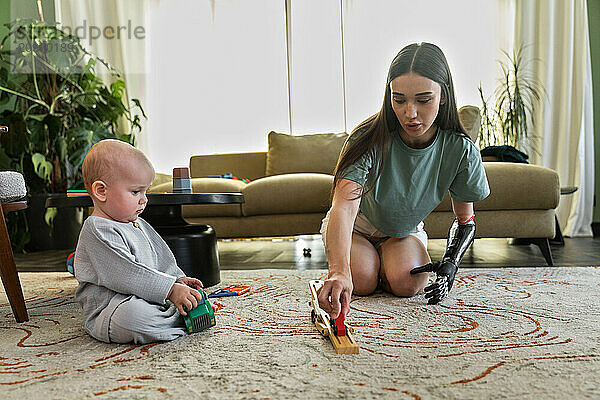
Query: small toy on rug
(229, 175)
(70, 262)
(77, 193)
(231, 290)
(339, 334)
(201, 317)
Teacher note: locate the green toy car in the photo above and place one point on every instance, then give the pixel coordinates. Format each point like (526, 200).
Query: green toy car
(200, 318)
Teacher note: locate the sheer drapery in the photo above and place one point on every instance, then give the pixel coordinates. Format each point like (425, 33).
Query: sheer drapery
(556, 33)
(115, 31)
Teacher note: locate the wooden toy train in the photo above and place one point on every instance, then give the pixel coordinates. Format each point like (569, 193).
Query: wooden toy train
(339, 334)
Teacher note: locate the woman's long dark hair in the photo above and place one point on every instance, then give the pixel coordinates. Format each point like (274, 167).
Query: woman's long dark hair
(374, 137)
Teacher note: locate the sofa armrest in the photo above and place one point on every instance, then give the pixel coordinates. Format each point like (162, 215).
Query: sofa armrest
(243, 165)
(516, 186)
(159, 181)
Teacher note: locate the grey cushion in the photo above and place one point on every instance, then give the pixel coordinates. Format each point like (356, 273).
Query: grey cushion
(12, 186)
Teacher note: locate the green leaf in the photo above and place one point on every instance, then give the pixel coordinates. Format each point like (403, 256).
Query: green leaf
(51, 213)
(37, 117)
(48, 141)
(139, 105)
(126, 138)
(37, 135)
(62, 53)
(42, 167)
(117, 88)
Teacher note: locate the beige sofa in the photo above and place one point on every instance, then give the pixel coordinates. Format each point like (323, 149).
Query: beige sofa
(290, 185)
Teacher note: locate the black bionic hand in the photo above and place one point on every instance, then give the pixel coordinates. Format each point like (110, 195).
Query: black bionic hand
(460, 238)
(438, 290)
(445, 272)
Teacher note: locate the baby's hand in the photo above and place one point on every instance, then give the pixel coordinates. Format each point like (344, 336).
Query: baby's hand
(182, 295)
(193, 282)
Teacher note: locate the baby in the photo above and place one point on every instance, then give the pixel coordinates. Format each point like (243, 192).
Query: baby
(126, 271)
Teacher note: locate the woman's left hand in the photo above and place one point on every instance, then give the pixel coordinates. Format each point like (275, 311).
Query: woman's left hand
(192, 282)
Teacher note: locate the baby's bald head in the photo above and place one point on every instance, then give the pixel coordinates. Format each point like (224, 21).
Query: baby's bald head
(108, 159)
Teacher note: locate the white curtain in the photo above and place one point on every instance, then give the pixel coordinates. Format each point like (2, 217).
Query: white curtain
(115, 31)
(556, 32)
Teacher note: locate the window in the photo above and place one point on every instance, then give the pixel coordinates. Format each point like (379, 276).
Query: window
(220, 80)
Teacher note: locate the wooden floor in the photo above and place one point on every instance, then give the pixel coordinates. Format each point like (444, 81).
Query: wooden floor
(288, 253)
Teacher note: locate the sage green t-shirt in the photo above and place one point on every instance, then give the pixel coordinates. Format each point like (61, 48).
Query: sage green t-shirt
(413, 182)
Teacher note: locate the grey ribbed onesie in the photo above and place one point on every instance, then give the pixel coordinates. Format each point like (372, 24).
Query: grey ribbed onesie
(125, 272)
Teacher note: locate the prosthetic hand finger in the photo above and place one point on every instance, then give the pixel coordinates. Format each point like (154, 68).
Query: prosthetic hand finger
(424, 268)
(434, 286)
(433, 293)
(442, 292)
(438, 298)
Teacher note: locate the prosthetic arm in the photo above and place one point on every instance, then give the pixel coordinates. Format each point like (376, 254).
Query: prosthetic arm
(460, 238)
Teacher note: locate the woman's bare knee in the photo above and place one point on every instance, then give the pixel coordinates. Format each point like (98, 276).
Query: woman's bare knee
(365, 264)
(398, 257)
(406, 289)
(364, 281)
(403, 284)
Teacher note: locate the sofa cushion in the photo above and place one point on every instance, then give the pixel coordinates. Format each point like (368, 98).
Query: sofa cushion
(288, 194)
(316, 153)
(243, 165)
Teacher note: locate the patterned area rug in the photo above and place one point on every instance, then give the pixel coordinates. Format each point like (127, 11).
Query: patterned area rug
(523, 333)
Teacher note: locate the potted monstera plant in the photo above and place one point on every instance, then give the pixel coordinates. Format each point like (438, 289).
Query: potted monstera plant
(56, 106)
(505, 125)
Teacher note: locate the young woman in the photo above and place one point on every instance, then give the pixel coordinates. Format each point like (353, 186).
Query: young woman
(393, 171)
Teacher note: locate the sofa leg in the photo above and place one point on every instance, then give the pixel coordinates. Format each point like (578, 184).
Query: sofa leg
(544, 245)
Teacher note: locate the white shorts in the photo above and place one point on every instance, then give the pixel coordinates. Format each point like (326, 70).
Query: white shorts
(363, 227)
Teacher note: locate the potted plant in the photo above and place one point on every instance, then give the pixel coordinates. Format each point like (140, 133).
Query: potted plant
(505, 127)
(56, 107)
